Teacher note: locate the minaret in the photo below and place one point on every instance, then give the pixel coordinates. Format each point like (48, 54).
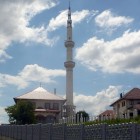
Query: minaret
(69, 65)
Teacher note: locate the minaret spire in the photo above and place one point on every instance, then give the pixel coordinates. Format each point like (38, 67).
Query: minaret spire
(69, 4)
(69, 65)
(69, 12)
(69, 24)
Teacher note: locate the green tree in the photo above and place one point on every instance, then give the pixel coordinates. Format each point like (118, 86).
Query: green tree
(11, 111)
(21, 113)
(83, 114)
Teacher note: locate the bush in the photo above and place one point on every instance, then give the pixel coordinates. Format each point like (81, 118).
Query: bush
(115, 121)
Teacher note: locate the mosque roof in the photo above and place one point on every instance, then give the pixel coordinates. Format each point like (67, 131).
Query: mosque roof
(39, 94)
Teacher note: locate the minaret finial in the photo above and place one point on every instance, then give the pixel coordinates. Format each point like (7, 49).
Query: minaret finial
(69, 4)
(69, 12)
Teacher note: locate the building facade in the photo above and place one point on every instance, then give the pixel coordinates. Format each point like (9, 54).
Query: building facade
(128, 105)
(48, 106)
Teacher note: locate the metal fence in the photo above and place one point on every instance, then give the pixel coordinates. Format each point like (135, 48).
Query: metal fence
(130, 131)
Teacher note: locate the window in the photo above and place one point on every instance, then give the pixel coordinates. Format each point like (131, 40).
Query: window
(118, 105)
(138, 112)
(55, 106)
(123, 103)
(47, 105)
(131, 115)
(131, 102)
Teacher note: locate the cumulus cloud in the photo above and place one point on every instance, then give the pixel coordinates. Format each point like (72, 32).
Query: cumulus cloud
(116, 56)
(77, 17)
(15, 23)
(97, 103)
(109, 20)
(3, 115)
(4, 56)
(30, 73)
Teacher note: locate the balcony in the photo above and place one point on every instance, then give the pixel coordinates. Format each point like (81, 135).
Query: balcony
(69, 44)
(129, 106)
(69, 64)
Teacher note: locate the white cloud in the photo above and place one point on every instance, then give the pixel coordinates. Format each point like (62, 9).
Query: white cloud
(97, 103)
(117, 56)
(4, 56)
(30, 73)
(3, 116)
(109, 20)
(15, 23)
(77, 17)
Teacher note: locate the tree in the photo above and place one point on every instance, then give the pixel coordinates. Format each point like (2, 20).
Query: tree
(11, 111)
(21, 113)
(83, 114)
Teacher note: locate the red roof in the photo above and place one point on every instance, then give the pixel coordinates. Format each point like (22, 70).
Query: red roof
(107, 112)
(133, 94)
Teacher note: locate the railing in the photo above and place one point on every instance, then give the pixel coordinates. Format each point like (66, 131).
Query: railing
(75, 119)
(129, 131)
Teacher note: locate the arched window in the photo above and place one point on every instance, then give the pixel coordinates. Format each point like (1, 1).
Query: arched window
(40, 118)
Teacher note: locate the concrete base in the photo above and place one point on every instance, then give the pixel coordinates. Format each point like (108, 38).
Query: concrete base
(5, 138)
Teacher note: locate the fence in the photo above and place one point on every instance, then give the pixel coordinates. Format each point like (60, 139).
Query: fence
(79, 118)
(129, 131)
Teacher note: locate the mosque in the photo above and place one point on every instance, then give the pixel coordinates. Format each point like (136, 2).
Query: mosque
(49, 107)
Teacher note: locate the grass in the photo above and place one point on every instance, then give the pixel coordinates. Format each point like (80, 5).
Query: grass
(115, 121)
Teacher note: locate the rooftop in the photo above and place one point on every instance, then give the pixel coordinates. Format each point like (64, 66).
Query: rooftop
(40, 94)
(107, 112)
(133, 94)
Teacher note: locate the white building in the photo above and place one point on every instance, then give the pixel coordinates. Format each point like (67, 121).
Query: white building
(48, 106)
(128, 105)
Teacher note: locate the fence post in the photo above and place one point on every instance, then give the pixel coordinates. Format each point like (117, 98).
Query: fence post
(134, 130)
(26, 131)
(50, 131)
(81, 118)
(104, 131)
(77, 118)
(64, 130)
(82, 131)
(40, 131)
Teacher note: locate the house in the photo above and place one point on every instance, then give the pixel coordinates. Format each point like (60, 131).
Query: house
(48, 106)
(128, 105)
(106, 115)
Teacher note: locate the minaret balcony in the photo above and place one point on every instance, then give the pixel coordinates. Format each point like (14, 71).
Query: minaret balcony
(69, 43)
(69, 64)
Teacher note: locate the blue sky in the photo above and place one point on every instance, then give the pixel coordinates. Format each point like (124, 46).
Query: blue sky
(106, 53)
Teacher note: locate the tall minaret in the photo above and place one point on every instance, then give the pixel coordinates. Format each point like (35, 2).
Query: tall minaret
(69, 65)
